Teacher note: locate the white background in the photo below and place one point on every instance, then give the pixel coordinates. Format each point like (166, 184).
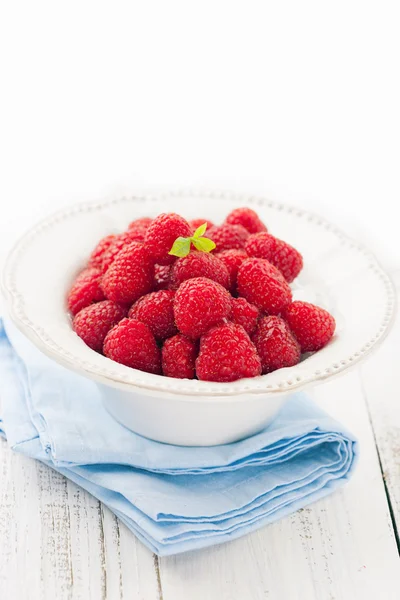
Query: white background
(298, 101)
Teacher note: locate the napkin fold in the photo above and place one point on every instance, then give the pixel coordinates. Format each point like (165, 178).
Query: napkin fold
(173, 498)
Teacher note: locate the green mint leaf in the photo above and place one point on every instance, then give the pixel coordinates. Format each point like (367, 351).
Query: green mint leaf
(203, 244)
(181, 247)
(200, 231)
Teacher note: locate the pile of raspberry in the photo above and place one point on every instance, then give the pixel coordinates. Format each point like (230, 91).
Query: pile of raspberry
(190, 299)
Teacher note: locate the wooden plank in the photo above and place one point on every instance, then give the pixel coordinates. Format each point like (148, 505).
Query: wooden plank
(55, 522)
(381, 389)
(20, 561)
(341, 548)
(86, 536)
(131, 568)
(58, 543)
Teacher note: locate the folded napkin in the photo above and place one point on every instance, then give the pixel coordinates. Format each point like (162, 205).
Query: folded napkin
(173, 498)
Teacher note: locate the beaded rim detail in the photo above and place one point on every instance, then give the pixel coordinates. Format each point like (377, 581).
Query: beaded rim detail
(131, 378)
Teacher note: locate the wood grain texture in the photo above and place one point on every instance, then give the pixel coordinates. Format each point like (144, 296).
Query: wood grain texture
(58, 543)
(381, 389)
(131, 568)
(340, 548)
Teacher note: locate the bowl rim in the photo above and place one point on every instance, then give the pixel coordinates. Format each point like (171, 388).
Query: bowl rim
(165, 385)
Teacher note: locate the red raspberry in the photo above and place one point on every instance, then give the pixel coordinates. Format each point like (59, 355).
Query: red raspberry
(232, 259)
(196, 223)
(227, 354)
(199, 264)
(120, 241)
(246, 217)
(130, 276)
(260, 245)
(283, 256)
(245, 314)
(140, 222)
(162, 274)
(131, 343)
(179, 357)
(137, 229)
(96, 258)
(275, 344)
(263, 285)
(94, 322)
(312, 326)
(199, 305)
(228, 236)
(85, 290)
(156, 311)
(162, 234)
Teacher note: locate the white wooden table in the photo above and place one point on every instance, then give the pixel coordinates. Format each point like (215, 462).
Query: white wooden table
(58, 543)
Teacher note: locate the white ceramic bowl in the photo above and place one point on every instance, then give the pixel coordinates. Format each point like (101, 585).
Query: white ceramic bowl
(339, 275)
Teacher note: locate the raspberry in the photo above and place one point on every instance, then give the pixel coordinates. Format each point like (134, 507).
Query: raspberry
(199, 304)
(260, 245)
(196, 223)
(139, 223)
(244, 314)
(227, 354)
(131, 343)
(179, 357)
(120, 241)
(263, 285)
(85, 290)
(94, 322)
(130, 276)
(96, 258)
(275, 344)
(137, 229)
(232, 259)
(312, 326)
(156, 311)
(199, 264)
(161, 235)
(228, 236)
(283, 256)
(247, 218)
(162, 274)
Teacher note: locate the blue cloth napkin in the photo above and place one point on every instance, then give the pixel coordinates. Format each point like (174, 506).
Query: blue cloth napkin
(173, 498)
